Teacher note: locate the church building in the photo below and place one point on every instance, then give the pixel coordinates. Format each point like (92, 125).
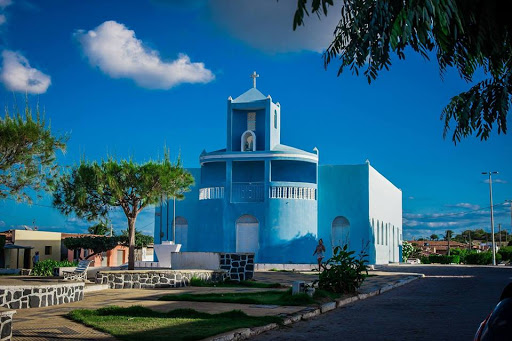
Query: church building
(259, 195)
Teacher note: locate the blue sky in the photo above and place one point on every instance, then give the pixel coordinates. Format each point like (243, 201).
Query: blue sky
(125, 78)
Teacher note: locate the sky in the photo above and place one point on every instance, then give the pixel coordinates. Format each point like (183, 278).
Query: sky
(126, 78)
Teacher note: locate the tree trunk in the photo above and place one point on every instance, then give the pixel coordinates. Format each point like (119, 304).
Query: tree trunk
(131, 243)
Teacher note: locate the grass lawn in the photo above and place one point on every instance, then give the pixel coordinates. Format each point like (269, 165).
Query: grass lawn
(140, 324)
(195, 282)
(264, 297)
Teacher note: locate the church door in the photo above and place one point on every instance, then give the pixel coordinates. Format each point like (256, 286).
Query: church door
(247, 234)
(182, 232)
(340, 231)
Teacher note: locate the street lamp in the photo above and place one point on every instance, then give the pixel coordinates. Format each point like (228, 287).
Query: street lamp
(492, 216)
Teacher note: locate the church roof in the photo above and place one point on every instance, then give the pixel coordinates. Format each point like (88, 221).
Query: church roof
(288, 149)
(250, 95)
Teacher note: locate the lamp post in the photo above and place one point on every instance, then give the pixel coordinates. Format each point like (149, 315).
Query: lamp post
(492, 216)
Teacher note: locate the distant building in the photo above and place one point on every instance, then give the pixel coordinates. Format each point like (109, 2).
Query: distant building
(21, 245)
(259, 195)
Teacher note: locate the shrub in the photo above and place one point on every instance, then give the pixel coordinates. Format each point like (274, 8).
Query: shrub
(506, 252)
(344, 272)
(424, 260)
(407, 250)
(45, 267)
(444, 259)
(482, 258)
(462, 253)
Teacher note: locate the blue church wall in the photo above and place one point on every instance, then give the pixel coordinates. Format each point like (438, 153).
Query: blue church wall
(239, 126)
(213, 173)
(290, 235)
(297, 171)
(248, 171)
(275, 123)
(344, 191)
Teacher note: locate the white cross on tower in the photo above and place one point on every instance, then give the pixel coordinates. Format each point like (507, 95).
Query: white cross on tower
(254, 76)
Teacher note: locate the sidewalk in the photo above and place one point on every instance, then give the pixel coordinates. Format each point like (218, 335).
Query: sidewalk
(50, 323)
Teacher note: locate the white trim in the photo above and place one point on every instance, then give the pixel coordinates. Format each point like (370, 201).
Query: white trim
(258, 155)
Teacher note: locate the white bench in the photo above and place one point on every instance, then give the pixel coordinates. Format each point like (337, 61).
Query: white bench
(80, 273)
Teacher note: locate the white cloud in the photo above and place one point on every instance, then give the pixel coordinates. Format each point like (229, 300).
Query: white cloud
(496, 181)
(18, 75)
(5, 3)
(2, 223)
(3, 19)
(466, 205)
(267, 24)
(117, 52)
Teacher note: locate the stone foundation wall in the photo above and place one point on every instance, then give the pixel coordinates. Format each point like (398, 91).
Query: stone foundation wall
(6, 324)
(144, 279)
(24, 296)
(240, 266)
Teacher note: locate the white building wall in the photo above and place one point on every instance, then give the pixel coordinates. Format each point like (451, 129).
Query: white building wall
(385, 211)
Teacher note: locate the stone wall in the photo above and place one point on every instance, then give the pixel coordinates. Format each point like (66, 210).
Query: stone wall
(135, 279)
(25, 296)
(6, 324)
(240, 266)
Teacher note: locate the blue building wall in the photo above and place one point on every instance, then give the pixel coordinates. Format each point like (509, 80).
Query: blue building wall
(292, 201)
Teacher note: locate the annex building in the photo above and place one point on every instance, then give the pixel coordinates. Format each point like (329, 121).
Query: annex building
(259, 195)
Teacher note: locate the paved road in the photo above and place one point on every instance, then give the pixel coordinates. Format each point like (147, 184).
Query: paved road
(448, 304)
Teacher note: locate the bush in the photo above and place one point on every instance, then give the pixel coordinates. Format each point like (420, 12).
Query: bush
(462, 253)
(482, 258)
(424, 260)
(506, 252)
(344, 272)
(45, 267)
(444, 259)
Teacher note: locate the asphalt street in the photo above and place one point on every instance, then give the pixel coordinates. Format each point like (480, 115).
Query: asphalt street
(448, 304)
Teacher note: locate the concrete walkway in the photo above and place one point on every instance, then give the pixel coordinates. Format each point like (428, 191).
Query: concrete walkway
(50, 323)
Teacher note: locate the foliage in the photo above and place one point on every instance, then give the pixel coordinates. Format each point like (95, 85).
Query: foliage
(97, 244)
(466, 35)
(407, 250)
(448, 235)
(138, 323)
(462, 253)
(2, 241)
(45, 267)
(424, 260)
(482, 258)
(100, 228)
(434, 237)
(444, 259)
(141, 240)
(92, 189)
(27, 154)
(344, 272)
(506, 252)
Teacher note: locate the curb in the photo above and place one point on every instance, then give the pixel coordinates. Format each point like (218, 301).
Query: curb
(308, 313)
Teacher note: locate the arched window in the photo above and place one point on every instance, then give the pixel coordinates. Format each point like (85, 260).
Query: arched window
(340, 231)
(275, 119)
(247, 233)
(248, 142)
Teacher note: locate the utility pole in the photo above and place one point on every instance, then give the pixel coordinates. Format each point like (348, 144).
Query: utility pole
(499, 232)
(492, 217)
(510, 202)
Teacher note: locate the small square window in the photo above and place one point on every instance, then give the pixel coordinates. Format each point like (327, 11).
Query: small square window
(47, 250)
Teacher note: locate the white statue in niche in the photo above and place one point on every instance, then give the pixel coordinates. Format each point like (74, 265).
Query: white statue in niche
(248, 141)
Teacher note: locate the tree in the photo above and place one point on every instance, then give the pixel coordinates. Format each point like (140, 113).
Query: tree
(27, 154)
(448, 236)
(467, 35)
(100, 228)
(92, 189)
(141, 240)
(434, 237)
(98, 244)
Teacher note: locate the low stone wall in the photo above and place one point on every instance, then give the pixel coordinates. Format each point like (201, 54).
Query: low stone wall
(28, 296)
(240, 266)
(6, 324)
(135, 279)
